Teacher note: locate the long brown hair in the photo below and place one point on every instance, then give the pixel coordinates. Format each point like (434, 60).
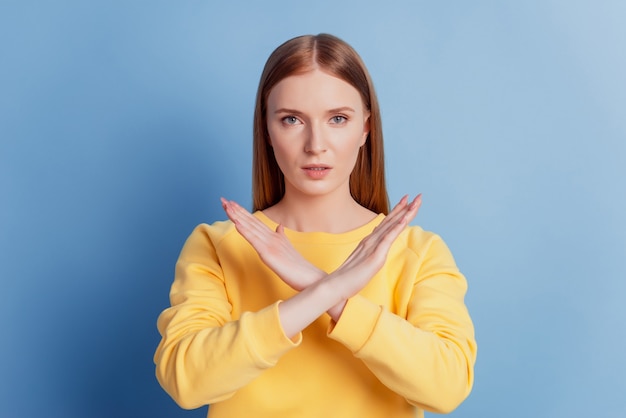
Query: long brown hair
(333, 55)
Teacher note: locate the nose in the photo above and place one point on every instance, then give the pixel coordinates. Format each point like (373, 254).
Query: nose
(314, 143)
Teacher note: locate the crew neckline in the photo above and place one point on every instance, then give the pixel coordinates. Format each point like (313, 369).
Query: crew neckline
(356, 234)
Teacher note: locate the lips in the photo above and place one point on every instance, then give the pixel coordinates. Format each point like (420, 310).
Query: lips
(316, 167)
(316, 171)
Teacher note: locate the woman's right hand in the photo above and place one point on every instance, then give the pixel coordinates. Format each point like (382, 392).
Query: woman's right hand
(273, 248)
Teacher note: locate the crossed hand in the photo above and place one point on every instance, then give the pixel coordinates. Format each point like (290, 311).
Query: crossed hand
(350, 277)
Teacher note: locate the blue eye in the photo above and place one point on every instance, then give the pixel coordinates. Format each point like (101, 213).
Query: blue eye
(290, 120)
(338, 119)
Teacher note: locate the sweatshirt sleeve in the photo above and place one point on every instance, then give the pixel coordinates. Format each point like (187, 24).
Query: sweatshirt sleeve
(428, 355)
(205, 355)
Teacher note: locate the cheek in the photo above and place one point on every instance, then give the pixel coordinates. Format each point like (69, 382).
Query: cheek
(352, 141)
(283, 153)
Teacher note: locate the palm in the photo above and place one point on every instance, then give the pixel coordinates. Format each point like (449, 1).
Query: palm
(371, 253)
(273, 248)
(364, 262)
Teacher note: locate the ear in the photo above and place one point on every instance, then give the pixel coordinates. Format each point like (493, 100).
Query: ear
(366, 128)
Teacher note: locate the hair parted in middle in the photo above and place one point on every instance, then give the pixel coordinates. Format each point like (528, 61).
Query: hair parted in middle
(334, 56)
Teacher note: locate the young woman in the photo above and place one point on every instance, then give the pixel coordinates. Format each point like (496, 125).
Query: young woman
(321, 302)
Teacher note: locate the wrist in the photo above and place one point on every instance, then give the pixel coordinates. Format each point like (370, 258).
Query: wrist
(336, 311)
(312, 276)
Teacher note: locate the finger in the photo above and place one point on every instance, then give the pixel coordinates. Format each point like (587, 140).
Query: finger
(408, 210)
(391, 216)
(400, 209)
(399, 206)
(256, 232)
(375, 247)
(384, 243)
(247, 224)
(384, 240)
(228, 208)
(253, 224)
(407, 216)
(413, 208)
(399, 218)
(241, 215)
(395, 216)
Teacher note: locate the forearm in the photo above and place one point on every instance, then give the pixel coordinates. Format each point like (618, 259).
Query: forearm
(199, 364)
(430, 365)
(431, 370)
(318, 291)
(309, 277)
(324, 295)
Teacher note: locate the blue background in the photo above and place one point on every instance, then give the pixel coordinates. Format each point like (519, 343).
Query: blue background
(123, 122)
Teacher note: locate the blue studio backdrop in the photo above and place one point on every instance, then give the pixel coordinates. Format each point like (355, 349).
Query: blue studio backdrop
(123, 122)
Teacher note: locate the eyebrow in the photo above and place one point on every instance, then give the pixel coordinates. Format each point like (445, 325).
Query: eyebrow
(297, 112)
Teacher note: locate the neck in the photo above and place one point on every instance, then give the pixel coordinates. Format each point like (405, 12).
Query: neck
(319, 213)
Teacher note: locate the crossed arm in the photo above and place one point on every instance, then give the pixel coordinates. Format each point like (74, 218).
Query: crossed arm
(426, 354)
(320, 292)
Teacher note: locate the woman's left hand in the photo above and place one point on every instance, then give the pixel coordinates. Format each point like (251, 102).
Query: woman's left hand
(371, 253)
(273, 247)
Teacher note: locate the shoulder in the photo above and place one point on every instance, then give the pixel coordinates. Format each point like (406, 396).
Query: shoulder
(210, 235)
(417, 238)
(424, 243)
(217, 231)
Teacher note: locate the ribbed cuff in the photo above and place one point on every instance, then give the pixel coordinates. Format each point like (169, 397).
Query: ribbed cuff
(268, 340)
(356, 324)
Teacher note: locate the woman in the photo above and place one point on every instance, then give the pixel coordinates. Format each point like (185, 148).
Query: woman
(320, 303)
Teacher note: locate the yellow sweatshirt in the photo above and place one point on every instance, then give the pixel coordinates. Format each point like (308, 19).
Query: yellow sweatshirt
(404, 344)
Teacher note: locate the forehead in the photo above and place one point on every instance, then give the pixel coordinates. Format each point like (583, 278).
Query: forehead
(315, 90)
